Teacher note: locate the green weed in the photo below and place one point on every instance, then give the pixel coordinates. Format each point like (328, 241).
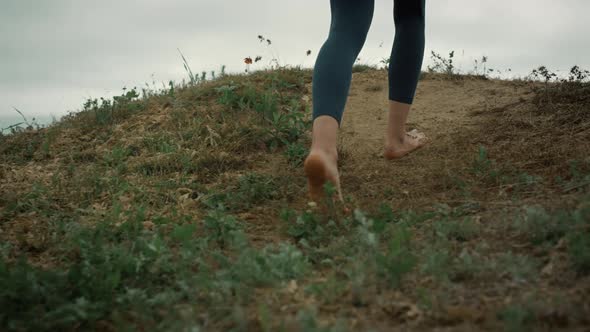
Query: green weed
(108, 112)
(540, 226)
(517, 318)
(443, 65)
(104, 278)
(285, 128)
(461, 230)
(121, 272)
(490, 173)
(437, 261)
(251, 189)
(308, 226)
(22, 147)
(328, 291)
(382, 218)
(224, 229)
(308, 321)
(518, 267)
(35, 200)
(253, 268)
(579, 238)
(579, 178)
(254, 188)
(227, 95)
(469, 266)
(484, 71)
(160, 144)
(579, 251)
(359, 68)
(51, 134)
(116, 159)
(566, 98)
(296, 153)
(398, 259)
(483, 166)
(283, 123)
(454, 224)
(364, 255)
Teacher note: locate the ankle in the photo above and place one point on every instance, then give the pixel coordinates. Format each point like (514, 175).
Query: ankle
(331, 153)
(396, 139)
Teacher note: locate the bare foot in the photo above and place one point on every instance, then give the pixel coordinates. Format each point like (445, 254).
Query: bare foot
(395, 149)
(319, 168)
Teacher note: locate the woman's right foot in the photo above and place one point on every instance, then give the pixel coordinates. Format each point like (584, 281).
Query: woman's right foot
(395, 149)
(319, 168)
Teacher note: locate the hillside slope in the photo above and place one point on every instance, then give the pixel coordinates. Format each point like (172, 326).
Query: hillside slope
(187, 208)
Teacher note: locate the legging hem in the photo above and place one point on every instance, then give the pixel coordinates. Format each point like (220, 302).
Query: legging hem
(315, 116)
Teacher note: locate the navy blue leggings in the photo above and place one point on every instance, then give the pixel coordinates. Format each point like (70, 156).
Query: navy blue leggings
(350, 23)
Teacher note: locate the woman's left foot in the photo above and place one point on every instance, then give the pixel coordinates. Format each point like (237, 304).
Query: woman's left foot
(395, 149)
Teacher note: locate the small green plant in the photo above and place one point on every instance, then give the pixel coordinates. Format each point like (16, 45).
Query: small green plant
(383, 217)
(250, 190)
(306, 226)
(517, 318)
(106, 272)
(579, 251)
(579, 238)
(50, 136)
(328, 291)
(385, 62)
(546, 75)
(579, 177)
(577, 75)
(439, 262)
(116, 159)
(222, 227)
(193, 79)
(456, 223)
(469, 265)
(160, 143)
(17, 127)
(308, 321)
(436, 262)
(518, 267)
(484, 71)
(398, 259)
(359, 68)
(254, 188)
(286, 127)
(108, 112)
(253, 268)
(296, 153)
(482, 165)
(227, 96)
(35, 200)
(572, 89)
(442, 65)
(387, 263)
(540, 226)
(461, 230)
(548, 228)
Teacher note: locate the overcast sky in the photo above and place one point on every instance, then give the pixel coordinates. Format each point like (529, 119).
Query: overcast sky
(57, 53)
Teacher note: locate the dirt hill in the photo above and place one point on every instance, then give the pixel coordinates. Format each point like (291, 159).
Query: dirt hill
(187, 207)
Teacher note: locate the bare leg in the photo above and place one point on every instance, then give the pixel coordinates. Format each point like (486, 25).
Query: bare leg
(321, 164)
(398, 142)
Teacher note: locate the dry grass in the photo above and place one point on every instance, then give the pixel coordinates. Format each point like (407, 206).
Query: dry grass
(445, 238)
